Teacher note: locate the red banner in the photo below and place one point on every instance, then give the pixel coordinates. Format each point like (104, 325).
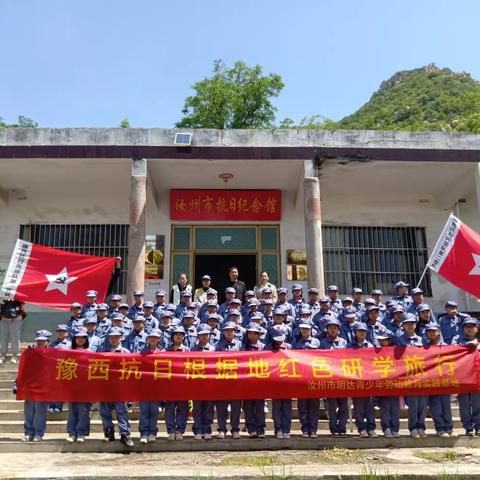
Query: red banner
(55, 278)
(236, 205)
(72, 375)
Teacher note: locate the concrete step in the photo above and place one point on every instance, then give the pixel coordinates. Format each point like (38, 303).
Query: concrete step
(11, 404)
(95, 444)
(6, 393)
(6, 383)
(17, 414)
(7, 373)
(7, 407)
(56, 426)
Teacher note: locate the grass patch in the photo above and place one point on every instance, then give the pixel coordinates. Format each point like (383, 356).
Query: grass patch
(439, 457)
(340, 455)
(246, 461)
(372, 473)
(449, 476)
(271, 473)
(331, 456)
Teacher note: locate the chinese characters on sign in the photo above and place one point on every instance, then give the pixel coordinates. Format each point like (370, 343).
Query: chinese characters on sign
(236, 205)
(71, 375)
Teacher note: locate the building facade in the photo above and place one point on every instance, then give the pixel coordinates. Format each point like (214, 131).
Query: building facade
(385, 197)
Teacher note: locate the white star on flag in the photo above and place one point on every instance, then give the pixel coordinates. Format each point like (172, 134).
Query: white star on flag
(476, 269)
(59, 281)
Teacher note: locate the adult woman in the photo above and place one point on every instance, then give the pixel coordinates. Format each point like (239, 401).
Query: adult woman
(181, 286)
(265, 284)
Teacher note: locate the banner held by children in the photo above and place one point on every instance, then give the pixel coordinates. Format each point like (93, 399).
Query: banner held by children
(81, 376)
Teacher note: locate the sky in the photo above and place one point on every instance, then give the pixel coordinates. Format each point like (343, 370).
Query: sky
(91, 63)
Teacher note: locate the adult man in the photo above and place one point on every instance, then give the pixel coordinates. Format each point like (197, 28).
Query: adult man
(12, 312)
(237, 284)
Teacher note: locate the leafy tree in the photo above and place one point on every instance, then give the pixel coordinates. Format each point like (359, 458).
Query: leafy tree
(313, 122)
(23, 122)
(125, 123)
(238, 97)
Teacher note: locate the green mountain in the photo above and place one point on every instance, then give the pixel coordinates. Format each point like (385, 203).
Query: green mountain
(427, 98)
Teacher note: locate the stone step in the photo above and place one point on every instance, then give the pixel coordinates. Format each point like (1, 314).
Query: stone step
(56, 426)
(95, 444)
(11, 404)
(6, 383)
(8, 373)
(6, 393)
(17, 405)
(17, 414)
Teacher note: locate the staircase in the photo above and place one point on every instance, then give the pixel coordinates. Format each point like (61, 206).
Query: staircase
(11, 432)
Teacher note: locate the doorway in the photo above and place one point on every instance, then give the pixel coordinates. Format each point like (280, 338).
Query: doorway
(218, 265)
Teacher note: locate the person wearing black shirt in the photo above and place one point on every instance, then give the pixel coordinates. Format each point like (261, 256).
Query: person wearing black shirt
(12, 312)
(237, 284)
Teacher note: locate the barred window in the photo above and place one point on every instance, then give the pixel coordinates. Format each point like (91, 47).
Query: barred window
(375, 257)
(101, 240)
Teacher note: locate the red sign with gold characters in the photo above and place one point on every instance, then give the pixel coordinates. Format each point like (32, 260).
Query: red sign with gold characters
(233, 205)
(54, 374)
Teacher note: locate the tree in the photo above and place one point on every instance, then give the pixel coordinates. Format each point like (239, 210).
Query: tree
(238, 97)
(23, 122)
(314, 122)
(125, 123)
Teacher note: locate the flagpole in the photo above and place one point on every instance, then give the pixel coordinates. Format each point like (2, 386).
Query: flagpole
(427, 266)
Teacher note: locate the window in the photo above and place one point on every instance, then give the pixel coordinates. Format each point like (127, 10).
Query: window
(375, 257)
(101, 240)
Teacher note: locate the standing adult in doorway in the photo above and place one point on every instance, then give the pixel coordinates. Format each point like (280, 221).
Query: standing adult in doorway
(181, 286)
(265, 283)
(201, 293)
(237, 284)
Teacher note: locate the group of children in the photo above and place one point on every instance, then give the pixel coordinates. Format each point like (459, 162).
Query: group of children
(301, 322)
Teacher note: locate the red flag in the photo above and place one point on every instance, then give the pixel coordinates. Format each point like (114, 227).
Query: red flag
(55, 278)
(456, 256)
